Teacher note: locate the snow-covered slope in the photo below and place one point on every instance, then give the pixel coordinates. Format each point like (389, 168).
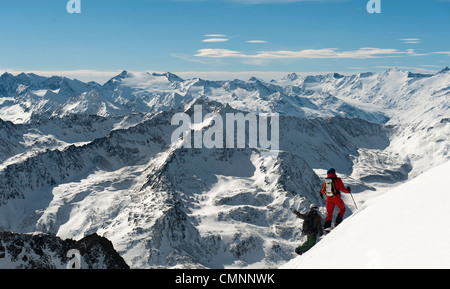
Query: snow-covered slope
(417, 96)
(407, 227)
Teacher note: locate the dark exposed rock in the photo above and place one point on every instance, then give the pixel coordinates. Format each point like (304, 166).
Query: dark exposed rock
(47, 251)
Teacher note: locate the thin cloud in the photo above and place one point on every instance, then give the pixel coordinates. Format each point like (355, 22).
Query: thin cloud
(412, 52)
(326, 53)
(411, 40)
(216, 35)
(219, 53)
(443, 52)
(209, 40)
(256, 41)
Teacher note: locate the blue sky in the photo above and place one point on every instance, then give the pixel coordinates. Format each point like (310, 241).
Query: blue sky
(223, 35)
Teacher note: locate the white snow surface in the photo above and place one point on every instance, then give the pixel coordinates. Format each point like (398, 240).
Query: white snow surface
(407, 227)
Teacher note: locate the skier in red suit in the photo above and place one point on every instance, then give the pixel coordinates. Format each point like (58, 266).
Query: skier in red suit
(332, 188)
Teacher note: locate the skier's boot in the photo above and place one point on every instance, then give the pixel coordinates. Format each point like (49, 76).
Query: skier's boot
(338, 220)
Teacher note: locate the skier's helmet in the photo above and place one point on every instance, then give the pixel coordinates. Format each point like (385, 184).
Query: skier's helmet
(331, 171)
(313, 207)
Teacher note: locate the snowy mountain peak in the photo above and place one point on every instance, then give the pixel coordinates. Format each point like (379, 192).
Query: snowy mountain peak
(292, 76)
(393, 72)
(445, 70)
(253, 79)
(170, 76)
(337, 75)
(365, 74)
(418, 75)
(6, 76)
(122, 75)
(30, 78)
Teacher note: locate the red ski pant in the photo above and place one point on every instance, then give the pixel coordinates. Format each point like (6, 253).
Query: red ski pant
(331, 203)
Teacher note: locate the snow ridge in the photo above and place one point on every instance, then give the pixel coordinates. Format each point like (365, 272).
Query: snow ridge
(409, 234)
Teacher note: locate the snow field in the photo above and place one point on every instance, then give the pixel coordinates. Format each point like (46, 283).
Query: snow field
(407, 227)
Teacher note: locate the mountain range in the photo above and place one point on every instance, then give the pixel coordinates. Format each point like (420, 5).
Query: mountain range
(82, 158)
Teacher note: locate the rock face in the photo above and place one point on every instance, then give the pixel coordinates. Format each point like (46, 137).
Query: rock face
(47, 251)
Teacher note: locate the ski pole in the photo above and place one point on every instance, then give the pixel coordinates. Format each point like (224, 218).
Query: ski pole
(354, 201)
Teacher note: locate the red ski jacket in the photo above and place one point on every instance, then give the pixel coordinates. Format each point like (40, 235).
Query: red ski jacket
(337, 182)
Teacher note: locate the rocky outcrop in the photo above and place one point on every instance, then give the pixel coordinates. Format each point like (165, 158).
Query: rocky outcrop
(47, 251)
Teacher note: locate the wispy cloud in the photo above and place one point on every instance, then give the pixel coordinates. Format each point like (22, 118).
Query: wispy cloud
(215, 35)
(219, 53)
(189, 58)
(256, 41)
(215, 40)
(411, 40)
(326, 53)
(411, 52)
(443, 52)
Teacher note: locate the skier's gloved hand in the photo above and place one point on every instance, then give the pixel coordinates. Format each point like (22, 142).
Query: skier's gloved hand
(349, 189)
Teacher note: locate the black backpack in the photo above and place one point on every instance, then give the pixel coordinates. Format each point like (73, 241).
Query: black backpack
(308, 223)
